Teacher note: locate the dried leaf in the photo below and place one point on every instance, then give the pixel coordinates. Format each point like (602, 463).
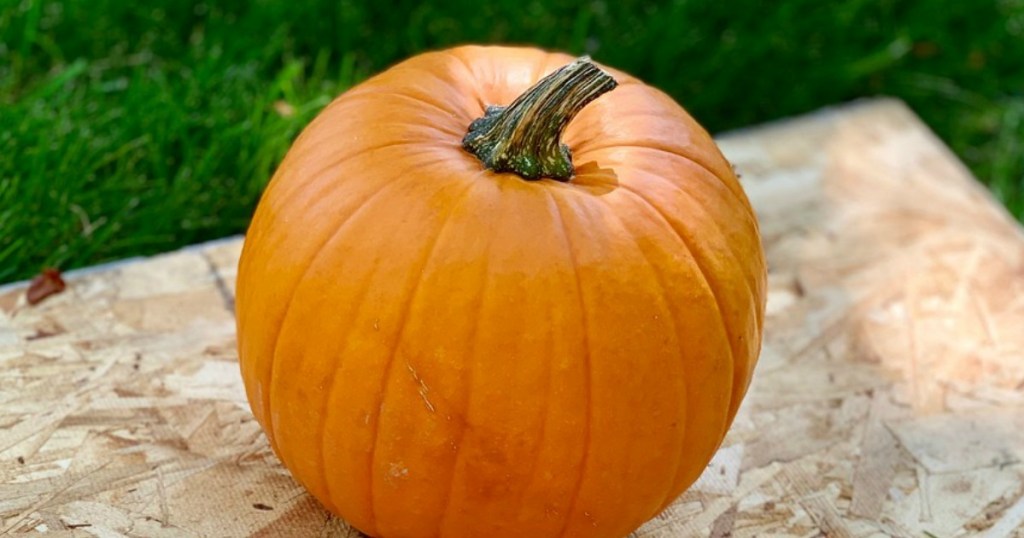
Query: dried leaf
(46, 284)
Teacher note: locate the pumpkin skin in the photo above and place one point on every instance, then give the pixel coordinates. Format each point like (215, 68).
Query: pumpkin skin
(436, 349)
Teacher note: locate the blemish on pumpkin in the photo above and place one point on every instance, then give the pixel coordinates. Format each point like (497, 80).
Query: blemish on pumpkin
(397, 470)
(423, 390)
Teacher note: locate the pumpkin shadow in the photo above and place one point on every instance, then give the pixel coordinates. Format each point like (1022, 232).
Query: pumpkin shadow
(595, 179)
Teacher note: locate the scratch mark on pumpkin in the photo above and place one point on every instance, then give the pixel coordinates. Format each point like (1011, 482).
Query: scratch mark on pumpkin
(398, 470)
(423, 390)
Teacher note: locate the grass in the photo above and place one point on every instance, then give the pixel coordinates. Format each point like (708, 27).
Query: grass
(130, 128)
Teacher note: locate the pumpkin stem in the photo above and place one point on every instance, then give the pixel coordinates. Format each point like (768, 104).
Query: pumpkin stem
(525, 136)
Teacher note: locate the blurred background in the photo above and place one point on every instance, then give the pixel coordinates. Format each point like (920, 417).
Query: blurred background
(130, 128)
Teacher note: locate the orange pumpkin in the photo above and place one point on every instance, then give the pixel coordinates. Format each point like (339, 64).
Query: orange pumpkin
(435, 347)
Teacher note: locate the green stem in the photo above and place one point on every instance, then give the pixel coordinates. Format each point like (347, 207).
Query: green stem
(524, 137)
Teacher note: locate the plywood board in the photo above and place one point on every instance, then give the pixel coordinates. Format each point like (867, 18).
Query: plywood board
(889, 400)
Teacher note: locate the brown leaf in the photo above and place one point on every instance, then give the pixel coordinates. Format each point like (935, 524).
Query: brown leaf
(46, 284)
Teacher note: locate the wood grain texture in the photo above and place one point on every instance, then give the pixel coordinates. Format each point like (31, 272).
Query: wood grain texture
(889, 400)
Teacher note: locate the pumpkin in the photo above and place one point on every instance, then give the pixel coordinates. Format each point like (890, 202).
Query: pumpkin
(452, 324)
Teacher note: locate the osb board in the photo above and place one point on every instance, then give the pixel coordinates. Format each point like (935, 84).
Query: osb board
(889, 400)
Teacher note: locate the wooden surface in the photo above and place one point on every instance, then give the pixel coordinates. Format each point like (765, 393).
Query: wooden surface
(889, 399)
